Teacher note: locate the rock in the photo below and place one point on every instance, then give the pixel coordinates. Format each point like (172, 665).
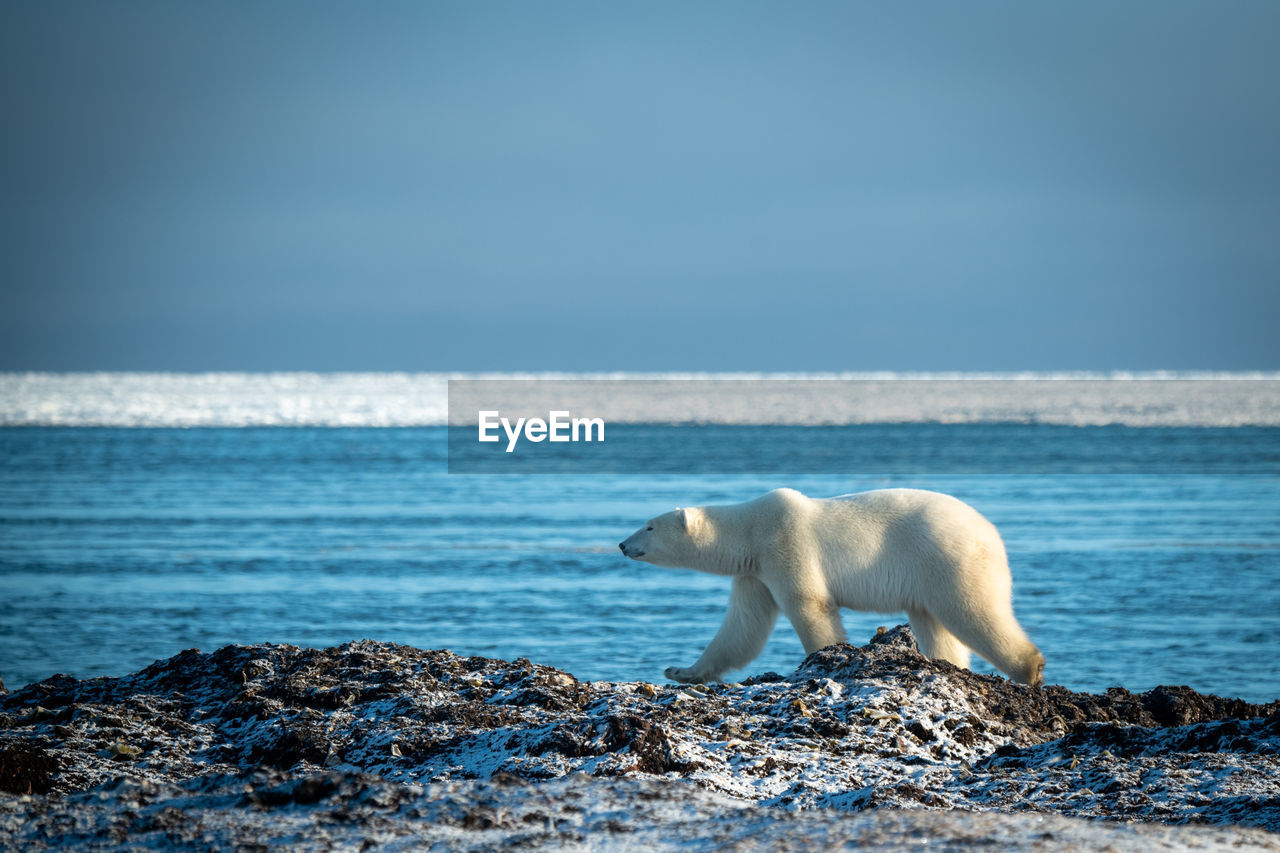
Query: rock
(26, 767)
(360, 728)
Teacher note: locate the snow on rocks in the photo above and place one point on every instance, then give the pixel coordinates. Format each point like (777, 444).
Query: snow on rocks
(207, 744)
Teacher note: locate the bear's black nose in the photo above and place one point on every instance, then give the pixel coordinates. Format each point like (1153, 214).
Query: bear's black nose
(622, 546)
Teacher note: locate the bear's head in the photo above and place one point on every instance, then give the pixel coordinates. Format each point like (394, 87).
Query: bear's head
(672, 540)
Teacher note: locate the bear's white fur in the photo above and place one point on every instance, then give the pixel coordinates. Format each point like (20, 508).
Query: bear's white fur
(889, 550)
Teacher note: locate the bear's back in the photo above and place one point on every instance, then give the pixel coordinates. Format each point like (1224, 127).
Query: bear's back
(919, 511)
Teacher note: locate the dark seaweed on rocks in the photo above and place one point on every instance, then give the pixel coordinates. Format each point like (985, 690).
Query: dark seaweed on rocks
(1034, 715)
(854, 728)
(26, 768)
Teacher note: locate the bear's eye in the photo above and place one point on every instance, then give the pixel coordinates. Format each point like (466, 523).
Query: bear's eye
(650, 527)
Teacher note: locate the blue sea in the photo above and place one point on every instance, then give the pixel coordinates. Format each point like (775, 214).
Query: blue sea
(1141, 555)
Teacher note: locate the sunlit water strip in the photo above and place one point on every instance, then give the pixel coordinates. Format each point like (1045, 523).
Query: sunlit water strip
(420, 399)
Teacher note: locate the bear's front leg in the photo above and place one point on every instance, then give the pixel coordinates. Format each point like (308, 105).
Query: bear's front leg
(684, 675)
(812, 611)
(742, 635)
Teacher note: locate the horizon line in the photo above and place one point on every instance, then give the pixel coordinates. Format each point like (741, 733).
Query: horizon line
(850, 375)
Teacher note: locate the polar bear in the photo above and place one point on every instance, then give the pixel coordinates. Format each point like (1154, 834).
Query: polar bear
(888, 550)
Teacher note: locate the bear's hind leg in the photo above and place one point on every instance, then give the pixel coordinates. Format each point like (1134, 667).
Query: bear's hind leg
(993, 632)
(935, 641)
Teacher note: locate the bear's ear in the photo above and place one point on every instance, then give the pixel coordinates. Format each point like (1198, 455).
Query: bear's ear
(689, 518)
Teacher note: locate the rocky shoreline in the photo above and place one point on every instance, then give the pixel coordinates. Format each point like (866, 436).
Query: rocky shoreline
(374, 742)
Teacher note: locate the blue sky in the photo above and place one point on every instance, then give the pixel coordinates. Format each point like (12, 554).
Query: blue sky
(645, 186)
